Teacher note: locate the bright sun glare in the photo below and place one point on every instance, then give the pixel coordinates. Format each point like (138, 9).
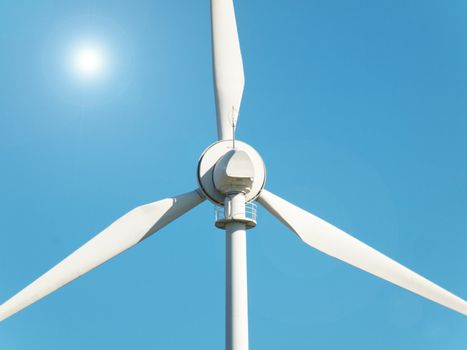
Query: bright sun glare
(88, 61)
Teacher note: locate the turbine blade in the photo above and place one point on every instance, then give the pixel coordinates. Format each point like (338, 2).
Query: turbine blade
(227, 67)
(124, 233)
(336, 243)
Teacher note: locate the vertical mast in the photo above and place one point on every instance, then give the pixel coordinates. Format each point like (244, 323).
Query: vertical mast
(236, 293)
(233, 176)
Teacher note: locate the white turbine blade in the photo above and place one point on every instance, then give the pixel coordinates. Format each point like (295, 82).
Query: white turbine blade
(124, 233)
(335, 242)
(227, 66)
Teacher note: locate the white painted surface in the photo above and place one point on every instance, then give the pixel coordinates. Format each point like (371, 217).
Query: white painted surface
(234, 172)
(236, 328)
(124, 233)
(227, 66)
(209, 159)
(335, 242)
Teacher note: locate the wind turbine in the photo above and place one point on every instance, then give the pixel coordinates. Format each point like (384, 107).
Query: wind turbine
(231, 174)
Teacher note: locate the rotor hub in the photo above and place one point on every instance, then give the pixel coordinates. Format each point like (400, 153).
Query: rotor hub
(224, 169)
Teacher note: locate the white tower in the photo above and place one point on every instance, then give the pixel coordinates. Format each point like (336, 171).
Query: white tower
(233, 177)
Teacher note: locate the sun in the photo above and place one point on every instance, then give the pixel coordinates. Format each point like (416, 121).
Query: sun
(89, 61)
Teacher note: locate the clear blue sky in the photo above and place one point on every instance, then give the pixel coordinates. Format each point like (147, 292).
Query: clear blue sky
(359, 109)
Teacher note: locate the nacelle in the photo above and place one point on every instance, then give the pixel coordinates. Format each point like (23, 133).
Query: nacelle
(234, 172)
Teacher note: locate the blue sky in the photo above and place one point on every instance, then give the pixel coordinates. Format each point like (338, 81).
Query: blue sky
(359, 110)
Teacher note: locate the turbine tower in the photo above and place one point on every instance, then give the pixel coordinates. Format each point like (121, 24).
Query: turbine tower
(231, 174)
